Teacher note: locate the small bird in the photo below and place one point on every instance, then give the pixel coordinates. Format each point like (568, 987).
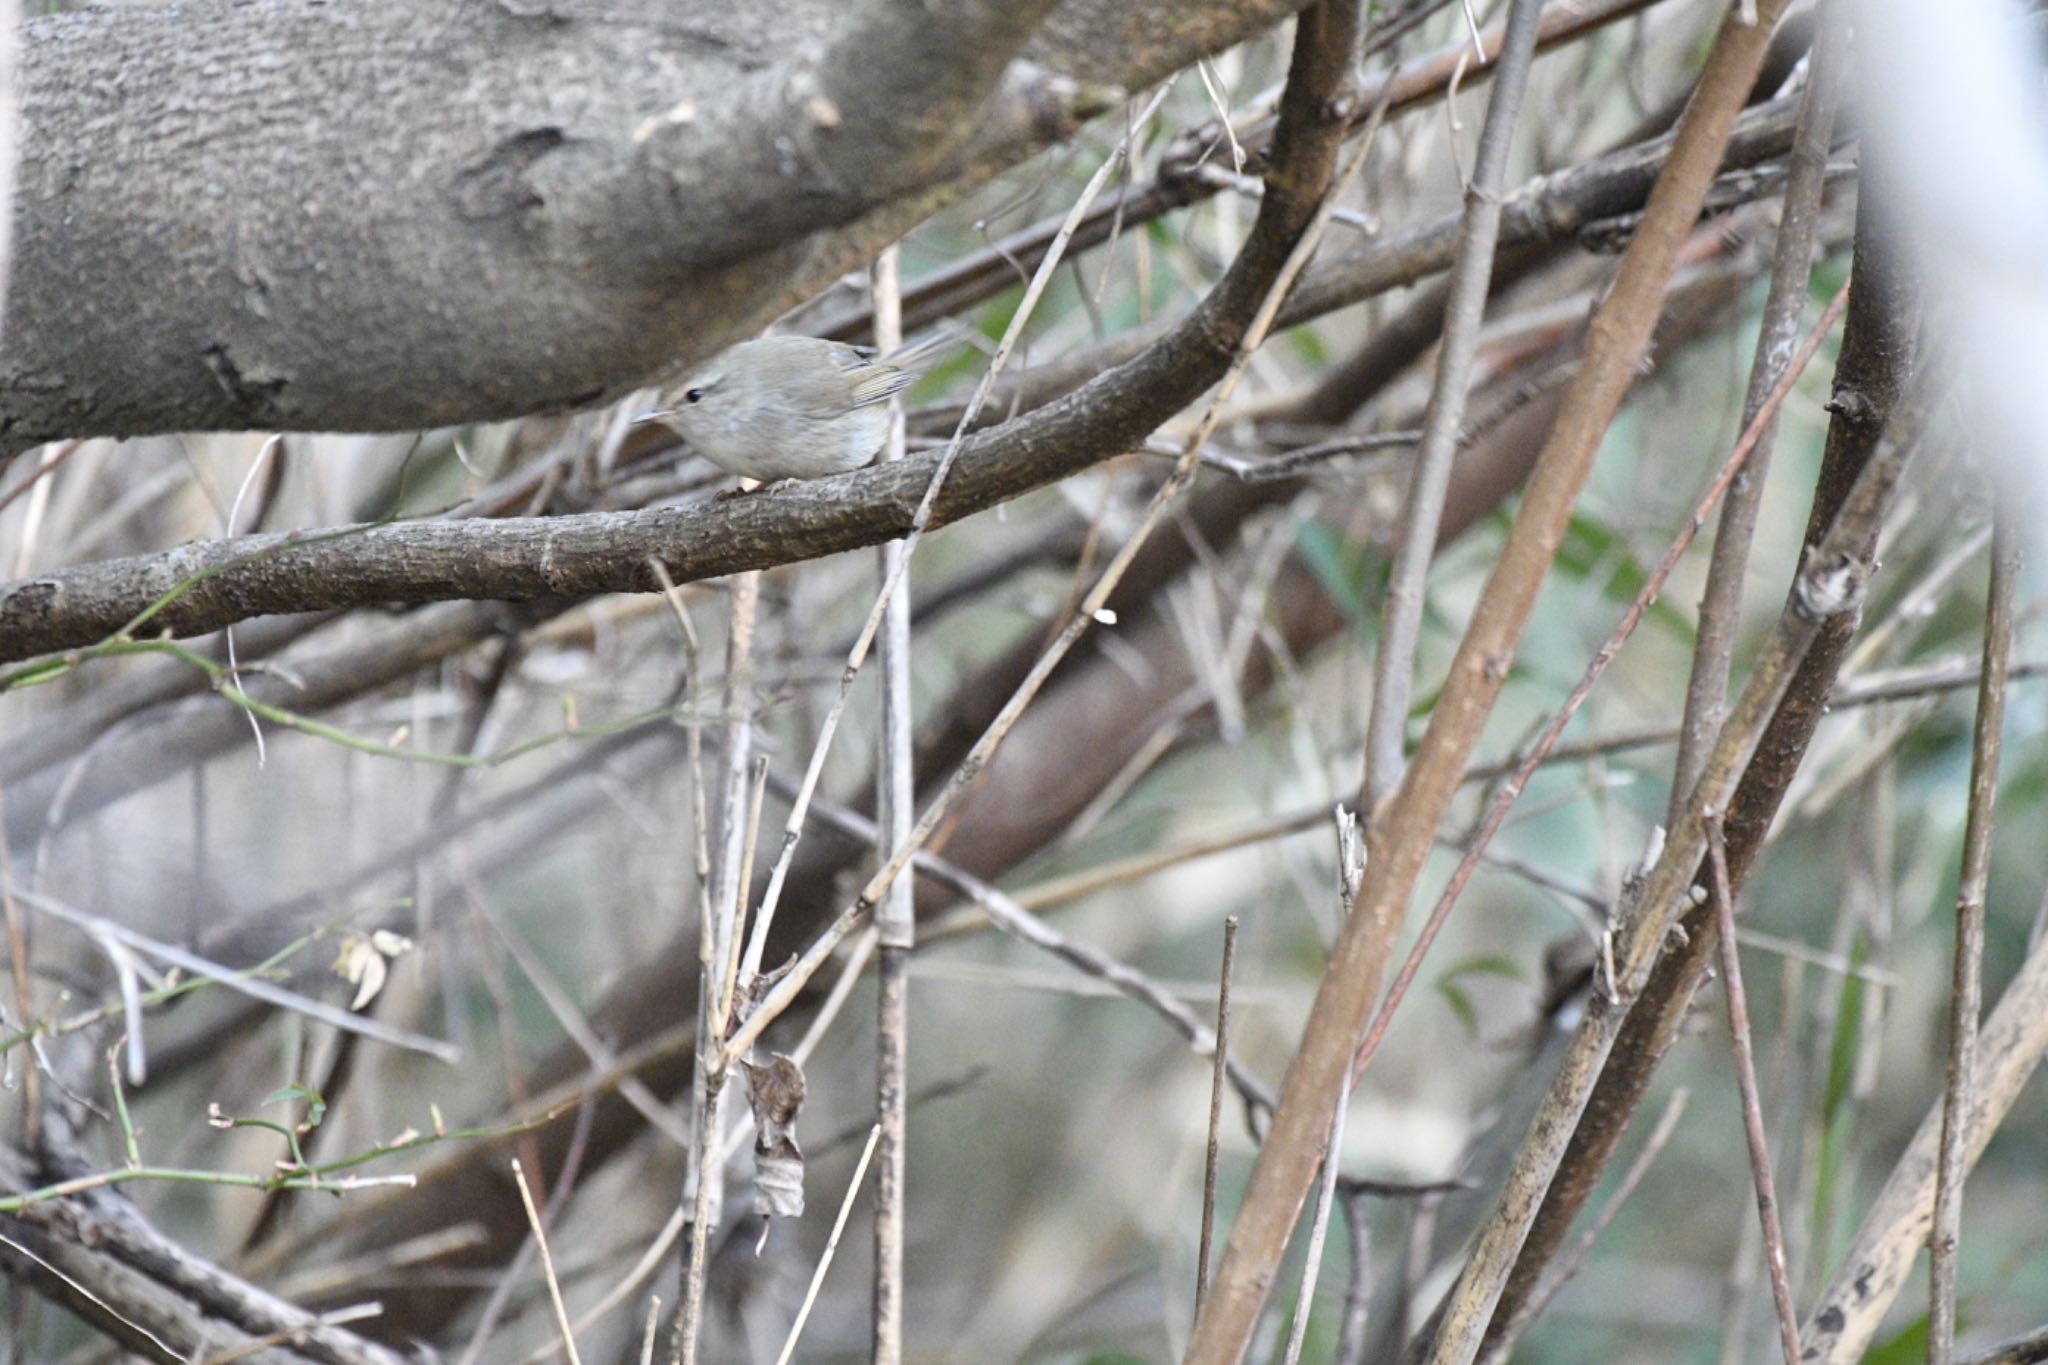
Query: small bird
(787, 407)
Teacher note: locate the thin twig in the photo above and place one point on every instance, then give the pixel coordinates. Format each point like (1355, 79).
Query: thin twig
(718, 945)
(24, 1002)
(693, 728)
(796, 1329)
(85, 1292)
(895, 916)
(241, 981)
(54, 454)
(648, 1333)
(2029, 1348)
(1290, 464)
(547, 1263)
(756, 790)
(558, 1198)
(683, 1345)
(721, 915)
(285, 1336)
(1217, 1075)
(1422, 512)
(1721, 600)
(1966, 996)
(1746, 1087)
(1319, 1229)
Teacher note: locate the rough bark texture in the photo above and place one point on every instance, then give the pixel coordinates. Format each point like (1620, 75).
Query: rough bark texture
(357, 216)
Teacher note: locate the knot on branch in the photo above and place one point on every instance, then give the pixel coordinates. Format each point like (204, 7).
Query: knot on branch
(1852, 404)
(495, 184)
(1829, 586)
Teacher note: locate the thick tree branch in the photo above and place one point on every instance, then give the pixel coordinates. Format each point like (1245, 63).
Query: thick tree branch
(358, 216)
(841, 141)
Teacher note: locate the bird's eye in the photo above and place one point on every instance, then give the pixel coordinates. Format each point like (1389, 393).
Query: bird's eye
(693, 395)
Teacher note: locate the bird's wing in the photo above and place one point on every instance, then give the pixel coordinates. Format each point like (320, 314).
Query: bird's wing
(879, 384)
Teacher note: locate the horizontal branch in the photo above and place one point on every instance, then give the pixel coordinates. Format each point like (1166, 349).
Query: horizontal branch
(205, 585)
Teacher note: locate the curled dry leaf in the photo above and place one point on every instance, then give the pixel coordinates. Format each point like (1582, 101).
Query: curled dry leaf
(365, 959)
(775, 1093)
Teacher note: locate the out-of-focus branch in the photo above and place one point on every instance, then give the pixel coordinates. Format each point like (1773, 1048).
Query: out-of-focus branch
(1966, 992)
(93, 1253)
(1844, 1317)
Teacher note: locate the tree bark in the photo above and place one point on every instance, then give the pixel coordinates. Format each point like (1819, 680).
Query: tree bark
(291, 215)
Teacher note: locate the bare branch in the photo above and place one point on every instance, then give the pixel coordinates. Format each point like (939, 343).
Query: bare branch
(1966, 992)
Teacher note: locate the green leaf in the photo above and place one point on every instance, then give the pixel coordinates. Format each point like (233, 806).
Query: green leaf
(1826, 278)
(1461, 1005)
(1842, 1048)
(1490, 964)
(316, 1107)
(1909, 1347)
(1308, 344)
(1591, 546)
(1339, 568)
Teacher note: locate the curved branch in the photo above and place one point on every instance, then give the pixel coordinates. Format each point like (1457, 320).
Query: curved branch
(817, 140)
(208, 584)
(354, 216)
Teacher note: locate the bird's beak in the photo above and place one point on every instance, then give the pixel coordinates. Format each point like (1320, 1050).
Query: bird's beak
(651, 415)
